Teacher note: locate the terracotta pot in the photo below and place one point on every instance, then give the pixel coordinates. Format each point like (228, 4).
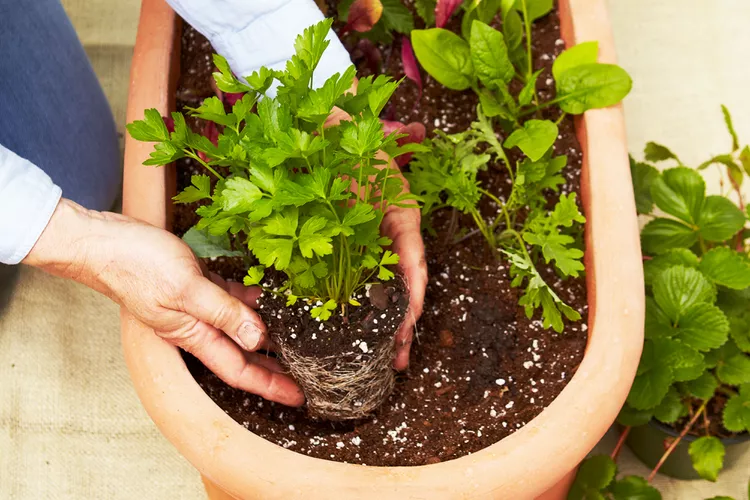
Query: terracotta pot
(649, 442)
(536, 459)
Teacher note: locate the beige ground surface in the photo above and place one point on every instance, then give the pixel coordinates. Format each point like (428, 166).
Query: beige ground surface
(70, 423)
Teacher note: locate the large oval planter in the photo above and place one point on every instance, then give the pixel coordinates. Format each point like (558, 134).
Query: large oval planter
(649, 442)
(537, 460)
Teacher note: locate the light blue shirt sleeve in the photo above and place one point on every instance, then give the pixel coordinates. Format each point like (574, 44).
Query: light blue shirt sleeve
(255, 33)
(28, 198)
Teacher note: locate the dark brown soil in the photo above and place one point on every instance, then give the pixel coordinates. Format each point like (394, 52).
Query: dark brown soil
(480, 369)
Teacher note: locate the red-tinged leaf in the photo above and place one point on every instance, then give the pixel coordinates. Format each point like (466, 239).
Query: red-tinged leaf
(169, 122)
(415, 133)
(231, 98)
(212, 132)
(411, 68)
(444, 10)
(370, 54)
(363, 15)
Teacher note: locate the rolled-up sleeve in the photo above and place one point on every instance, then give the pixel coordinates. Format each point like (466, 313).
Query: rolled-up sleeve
(28, 198)
(251, 33)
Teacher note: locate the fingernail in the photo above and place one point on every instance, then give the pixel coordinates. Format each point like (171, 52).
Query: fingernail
(250, 336)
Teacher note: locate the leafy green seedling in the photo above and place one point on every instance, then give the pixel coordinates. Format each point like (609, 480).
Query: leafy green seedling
(306, 200)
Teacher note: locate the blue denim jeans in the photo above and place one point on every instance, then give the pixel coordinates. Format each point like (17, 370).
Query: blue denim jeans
(52, 110)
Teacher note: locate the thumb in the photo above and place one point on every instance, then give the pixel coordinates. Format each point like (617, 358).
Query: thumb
(209, 303)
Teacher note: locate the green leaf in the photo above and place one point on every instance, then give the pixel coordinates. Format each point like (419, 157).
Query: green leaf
(720, 219)
(643, 176)
(703, 327)
(359, 214)
(679, 288)
(212, 109)
(737, 411)
(707, 454)
(389, 258)
(671, 407)
(657, 152)
(730, 127)
(239, 194)
(734, 370)
(536, 8)
(312, 241)
(726, 267)
(653, 378)
(582, 53)
(633, 488)
(685, 361)
(739, 330)
(225, 79)
(445, 56)
(254, 276)
(677, 256)
(661, 235)
(200, 190)
(594, 474)
(529, 89)
(702, 387)
(680, 192)
(591, 86)
(745, 159)
(207, 246)
(396, 17)
(630, 417)
(489, 56)
(426, 10)
(151, 129)
(534, 139)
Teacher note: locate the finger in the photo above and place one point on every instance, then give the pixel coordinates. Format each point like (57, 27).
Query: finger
(247, 294)
(223, 357)
(266, 361)
(211, 304)
(402, 225)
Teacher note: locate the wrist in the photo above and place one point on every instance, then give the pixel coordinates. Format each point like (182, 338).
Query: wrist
(62, 247)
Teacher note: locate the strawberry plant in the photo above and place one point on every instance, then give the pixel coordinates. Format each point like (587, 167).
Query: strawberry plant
(306, 200)
(525, 229)
(697, 273)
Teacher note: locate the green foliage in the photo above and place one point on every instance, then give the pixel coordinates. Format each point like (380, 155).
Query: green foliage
(707, 454)
(697, 301)
(488, 60)
(445, 176)
(288, 193)
(595, 479)
(526, 230)
(395, 18)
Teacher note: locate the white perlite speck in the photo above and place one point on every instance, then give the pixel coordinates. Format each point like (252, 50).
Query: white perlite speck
(363, 346)
(339, 445)
(500, 381)
(356, 440)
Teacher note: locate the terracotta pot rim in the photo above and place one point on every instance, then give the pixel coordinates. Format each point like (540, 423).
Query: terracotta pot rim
(524, 464)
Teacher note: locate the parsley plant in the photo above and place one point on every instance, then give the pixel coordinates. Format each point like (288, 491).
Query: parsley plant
(307, 200)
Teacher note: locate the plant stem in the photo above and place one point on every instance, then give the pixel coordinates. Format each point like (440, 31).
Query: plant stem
(527, 22)
(674, 444)
(620, 443)
(706, 423)
(208, 167)
(562, 117)
(702, 244)
(542, 106)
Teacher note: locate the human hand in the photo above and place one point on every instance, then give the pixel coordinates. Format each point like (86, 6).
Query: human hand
(158, 279)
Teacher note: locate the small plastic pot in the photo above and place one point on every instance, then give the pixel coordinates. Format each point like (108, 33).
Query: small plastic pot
(650, 441)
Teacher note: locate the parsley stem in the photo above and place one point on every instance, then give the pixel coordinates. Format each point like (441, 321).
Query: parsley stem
(208, 167)
(527, 22)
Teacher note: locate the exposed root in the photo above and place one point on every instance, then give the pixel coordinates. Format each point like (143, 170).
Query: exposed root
(343, 387)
